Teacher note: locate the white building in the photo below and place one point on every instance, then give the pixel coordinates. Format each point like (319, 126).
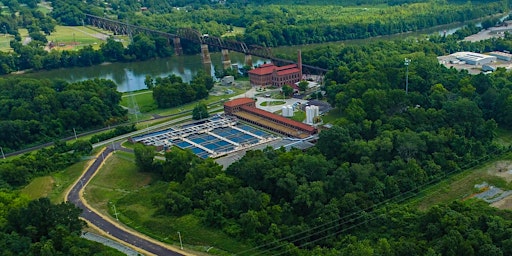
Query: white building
(473, 58)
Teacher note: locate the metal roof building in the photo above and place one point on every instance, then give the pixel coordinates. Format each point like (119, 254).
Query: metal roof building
(473, 58)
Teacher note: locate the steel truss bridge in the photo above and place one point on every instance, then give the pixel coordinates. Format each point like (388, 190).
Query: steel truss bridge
(192, 35)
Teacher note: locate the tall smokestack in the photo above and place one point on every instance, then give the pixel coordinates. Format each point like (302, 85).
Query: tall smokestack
(299, 62)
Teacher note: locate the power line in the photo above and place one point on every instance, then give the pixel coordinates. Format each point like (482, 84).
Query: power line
(400, 197)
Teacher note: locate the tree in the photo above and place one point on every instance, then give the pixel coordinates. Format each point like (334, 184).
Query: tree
(287, 90)
(200, 111)
(177, 164)
(303, 85)
(149, 82)
(144, 156)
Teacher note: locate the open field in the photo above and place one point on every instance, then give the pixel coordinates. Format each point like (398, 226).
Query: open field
(53, 186)
(75, 37)
(39, 187)
(144, 100)
(118, 182)
(462, 186)
(68, 37)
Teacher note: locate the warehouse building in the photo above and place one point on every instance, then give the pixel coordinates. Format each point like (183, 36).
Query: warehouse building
(472, 58)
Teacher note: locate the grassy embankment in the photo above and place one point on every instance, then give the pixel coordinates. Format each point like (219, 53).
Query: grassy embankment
(119, 183)
(54, 186)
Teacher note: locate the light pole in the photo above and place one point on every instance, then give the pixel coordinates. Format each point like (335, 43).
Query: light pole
(1, 149)
(406, 63)
(74, 131)
(115, 211)
(181, 243)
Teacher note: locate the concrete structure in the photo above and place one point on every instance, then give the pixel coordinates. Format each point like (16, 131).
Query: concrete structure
(472, 58)
(270, 74)
(245, 109)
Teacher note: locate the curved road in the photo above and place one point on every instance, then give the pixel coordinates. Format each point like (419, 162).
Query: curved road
(106, 225)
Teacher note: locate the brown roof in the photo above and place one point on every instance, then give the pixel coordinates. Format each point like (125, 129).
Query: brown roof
(263, 70)
(238, 102)
(288, 71)
(267, 69)
(279, 118)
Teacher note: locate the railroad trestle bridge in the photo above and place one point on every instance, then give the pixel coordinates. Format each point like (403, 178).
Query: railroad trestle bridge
(192, 35)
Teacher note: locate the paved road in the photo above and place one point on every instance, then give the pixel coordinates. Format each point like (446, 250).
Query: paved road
(106, 225)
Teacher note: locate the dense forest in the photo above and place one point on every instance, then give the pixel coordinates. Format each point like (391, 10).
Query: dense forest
(41, 228)
(338, 197)
(268, 25)
(35, 111)
(341, 197)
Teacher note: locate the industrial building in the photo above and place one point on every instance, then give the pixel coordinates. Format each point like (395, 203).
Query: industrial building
(502, 55)
(270, 74)
(472, 58)
(245, 109)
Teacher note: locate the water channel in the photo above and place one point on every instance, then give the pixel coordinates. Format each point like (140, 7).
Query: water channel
(131, 76)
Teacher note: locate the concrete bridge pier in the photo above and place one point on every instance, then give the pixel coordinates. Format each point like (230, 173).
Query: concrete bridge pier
(178, 50)
(205, 54)
(248, 60)
(226, 62)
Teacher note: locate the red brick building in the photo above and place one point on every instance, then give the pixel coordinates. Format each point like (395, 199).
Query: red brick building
(270, 74)
(245, 109)
(233, 106)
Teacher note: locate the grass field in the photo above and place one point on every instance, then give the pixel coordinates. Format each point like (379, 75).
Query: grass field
(39, 187)
(76, 37)
(144, 100)
(461, 186)
(53, 186)
(119, 183)
(67, 37)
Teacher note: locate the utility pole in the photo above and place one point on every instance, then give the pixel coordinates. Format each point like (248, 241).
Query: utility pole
(1, 149)
(74, 131)
(181, 243)
(406, 63)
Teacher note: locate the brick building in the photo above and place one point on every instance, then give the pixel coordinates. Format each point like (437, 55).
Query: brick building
(270, 74)
(245, 109)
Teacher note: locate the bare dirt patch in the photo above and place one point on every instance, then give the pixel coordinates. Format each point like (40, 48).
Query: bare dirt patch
(502, 169)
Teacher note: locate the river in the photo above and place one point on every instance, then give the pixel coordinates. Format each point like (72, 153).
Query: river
(130, 76)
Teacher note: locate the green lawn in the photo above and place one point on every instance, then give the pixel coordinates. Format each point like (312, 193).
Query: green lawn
(144, 100)
(55, 185)
(39, 187)
(71, 37)
(272, 103)
(299, 115)
(119, 183)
